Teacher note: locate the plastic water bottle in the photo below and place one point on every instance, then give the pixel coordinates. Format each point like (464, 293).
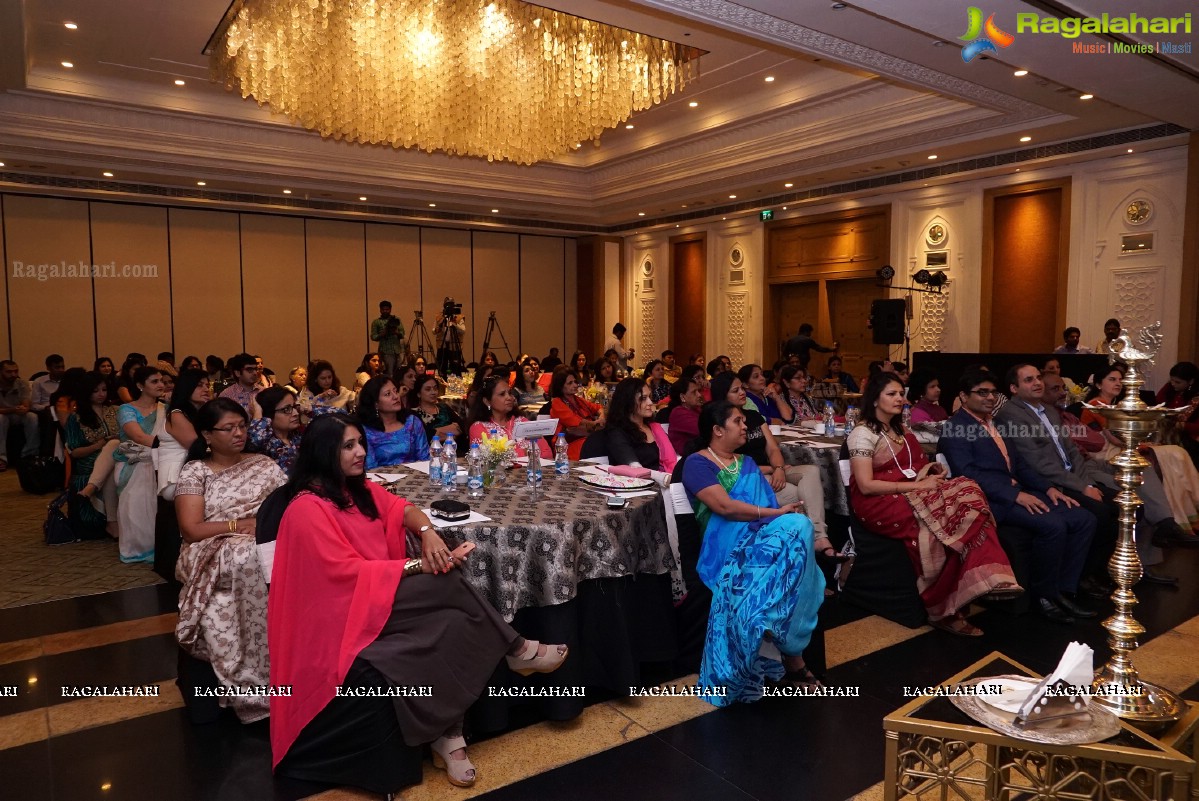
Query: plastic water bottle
(435, 461)
(449, 463)
(561, 457)
(830, 420)
(907, 415)
(533, 471)
(474, 472)
(851, 419)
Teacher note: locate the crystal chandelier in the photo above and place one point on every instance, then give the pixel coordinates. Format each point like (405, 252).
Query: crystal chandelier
(499, 79)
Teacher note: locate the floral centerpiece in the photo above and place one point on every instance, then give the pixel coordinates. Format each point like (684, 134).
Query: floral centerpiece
(497, 451)
(596, 393)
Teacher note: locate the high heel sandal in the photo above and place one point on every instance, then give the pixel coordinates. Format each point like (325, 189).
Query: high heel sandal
(460, 772)
(527, 661)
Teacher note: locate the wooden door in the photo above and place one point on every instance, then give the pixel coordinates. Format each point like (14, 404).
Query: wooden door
(849, 306)
(689, 299)
(794, 305)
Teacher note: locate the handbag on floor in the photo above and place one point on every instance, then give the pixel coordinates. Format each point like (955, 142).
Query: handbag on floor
(58, 529)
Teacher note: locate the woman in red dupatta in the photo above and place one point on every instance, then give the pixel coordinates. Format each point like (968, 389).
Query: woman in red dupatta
(343, 589)
(945, 524)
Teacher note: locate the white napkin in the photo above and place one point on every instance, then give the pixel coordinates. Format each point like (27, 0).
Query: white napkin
(1076, 669)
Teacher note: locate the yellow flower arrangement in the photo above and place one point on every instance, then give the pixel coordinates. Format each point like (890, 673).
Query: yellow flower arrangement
(497, 451)
(595, 391)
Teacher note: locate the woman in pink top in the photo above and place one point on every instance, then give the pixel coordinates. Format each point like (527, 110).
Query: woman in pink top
(925, 390)
(492, 412)
(686, 399)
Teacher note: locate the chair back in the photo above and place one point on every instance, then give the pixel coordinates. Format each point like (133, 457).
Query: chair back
(266, 528)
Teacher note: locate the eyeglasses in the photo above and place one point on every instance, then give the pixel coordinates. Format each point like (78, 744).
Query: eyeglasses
(286, 409)
(232, 428)
(985, 393)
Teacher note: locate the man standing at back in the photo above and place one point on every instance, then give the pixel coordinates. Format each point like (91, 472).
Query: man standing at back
(802, 345)
(388, 331)
(616, 343)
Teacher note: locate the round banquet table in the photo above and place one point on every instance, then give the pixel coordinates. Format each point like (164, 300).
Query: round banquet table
(564, 568)
(797, 451)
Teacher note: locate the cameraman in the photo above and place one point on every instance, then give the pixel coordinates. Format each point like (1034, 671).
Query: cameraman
(448, 333)
(388, 331)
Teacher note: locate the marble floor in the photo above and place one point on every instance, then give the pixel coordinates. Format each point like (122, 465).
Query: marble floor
(825, 749)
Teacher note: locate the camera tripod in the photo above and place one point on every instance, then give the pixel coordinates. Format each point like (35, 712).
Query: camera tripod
(493, 327)
(419, 335)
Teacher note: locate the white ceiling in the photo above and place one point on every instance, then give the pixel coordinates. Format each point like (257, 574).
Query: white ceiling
(865, 90)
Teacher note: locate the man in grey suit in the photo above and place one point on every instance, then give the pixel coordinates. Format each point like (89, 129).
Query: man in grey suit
(1034, 429)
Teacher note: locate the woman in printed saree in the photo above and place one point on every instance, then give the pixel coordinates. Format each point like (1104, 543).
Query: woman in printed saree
(757, 558)
(945, 524)
(91, 439)
(345, 591)
(141, 421)
(222, 606)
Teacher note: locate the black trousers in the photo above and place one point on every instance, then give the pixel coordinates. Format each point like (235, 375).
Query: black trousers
(1107, 529)
(1061, 545)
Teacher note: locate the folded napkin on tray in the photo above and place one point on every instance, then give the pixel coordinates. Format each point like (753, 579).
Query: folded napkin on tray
(631, 471)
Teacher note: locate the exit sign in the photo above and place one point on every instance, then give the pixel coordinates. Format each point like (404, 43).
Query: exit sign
(766, 214)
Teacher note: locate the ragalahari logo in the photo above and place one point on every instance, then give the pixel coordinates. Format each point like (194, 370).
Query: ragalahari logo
(982, 37)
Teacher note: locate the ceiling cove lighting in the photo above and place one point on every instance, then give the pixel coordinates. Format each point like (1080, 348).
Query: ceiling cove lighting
(1086, 97)
(1020, 73)
(70, 26)
(287, 191)
(693, 104)
(106, 174)
(180, 82)
(201, 183)
(362, 197)
(933, 157)
(1025, 138)
(542, 79)
(68, 65)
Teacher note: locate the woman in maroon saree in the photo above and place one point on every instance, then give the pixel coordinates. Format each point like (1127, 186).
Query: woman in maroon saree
(945, 524)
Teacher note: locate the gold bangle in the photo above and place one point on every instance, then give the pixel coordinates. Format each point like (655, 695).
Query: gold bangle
(413, 566)
(232, 526)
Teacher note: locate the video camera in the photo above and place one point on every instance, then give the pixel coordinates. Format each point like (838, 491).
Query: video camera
(449, 308)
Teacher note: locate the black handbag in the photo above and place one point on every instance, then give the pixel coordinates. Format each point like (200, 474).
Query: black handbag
(57, 529)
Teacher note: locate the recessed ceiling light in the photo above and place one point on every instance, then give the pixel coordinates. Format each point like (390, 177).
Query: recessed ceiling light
(684, 205)
(732, 197)
(495, 211)
(287, 191)
(180, 82)
(784, 208)
(1130, 150)
(432, 205)
(724, 218)
(1020, 73)
(1, 163)
(693, 104)
(362, 197)
(68, 64)
(629, 127)
(769, 79)
(641, 214)
(838, 6)
(70, 26)
(1085, 97)
(201, 183)
(107, 174)
(578, 145)
(938, 43)
(933, 157)
(1025, 138)
(788, 186)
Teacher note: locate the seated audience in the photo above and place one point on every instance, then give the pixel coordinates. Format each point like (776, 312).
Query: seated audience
(104, 367)
(633, 438)
(686, 400)
(406, 382)
(793, 402)
(42, 388)
(179, 432)
(277, 433)
(217, 375)
(297, 379)
(757, 558)
(396, 435)
(490, 359)
(344, 590)
(1062, 530)
(169, 376)
(15, 396)
(758, 394)
(715, 367)
(222, 607)
(246, 384)
(551, 363)
(792, 483)
(836, 374)
(528, 389)
(141, 420)
(945, 524)
(604, 372)
(492, 412)
(92, 435)
(323, 393)
(437, 417)
(1091, 443)
(371, 366)
(654, 375)
(266, 376)
(1181, 389)
(698, 360)
(1070, 338)
(577, 417)
(924, 391)
(482, 373)
(191, 363)
(578, 363)
(671, 370)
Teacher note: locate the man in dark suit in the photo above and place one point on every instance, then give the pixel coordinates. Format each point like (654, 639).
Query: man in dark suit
(1034, 429)
(1019, 496)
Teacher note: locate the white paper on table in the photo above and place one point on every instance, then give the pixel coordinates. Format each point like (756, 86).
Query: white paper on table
(437, 522)
(679, 504)
(625, 494)
(385, 478)
(596, 460)
(420, 467)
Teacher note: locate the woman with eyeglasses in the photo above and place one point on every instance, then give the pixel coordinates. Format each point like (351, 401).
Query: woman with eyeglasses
(493, 412)
(394, 432)
(222, 607)
(277, 433)
(191, 392)
(141, 420)
(945, 524)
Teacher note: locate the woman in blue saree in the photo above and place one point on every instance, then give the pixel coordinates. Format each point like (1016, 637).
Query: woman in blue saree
(758, 560)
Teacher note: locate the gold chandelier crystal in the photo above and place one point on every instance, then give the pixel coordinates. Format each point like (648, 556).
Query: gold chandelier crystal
(499, 79)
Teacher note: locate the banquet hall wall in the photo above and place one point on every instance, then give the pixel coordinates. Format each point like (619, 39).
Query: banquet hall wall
(287, 288)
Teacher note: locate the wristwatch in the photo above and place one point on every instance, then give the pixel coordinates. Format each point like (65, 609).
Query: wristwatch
(420, 532)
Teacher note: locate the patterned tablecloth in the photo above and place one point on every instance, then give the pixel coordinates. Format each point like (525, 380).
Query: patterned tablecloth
(536, 549)
(798, 452)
